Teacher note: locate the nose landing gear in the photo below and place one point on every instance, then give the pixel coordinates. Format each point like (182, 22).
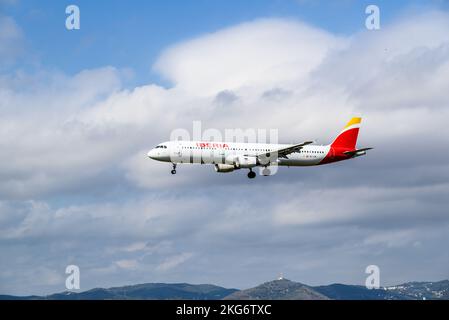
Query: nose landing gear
(251, 174)
(174, 169)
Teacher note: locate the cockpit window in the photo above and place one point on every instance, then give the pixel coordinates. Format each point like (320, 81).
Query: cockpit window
(163, 147)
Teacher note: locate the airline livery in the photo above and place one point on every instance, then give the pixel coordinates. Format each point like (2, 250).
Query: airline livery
(230, 156)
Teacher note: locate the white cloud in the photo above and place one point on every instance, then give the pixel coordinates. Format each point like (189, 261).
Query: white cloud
(260, 53)
(174, 261)
(393, 238)
(136, 246)
(127, 264)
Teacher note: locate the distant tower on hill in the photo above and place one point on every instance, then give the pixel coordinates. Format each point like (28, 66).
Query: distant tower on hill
(281, 276)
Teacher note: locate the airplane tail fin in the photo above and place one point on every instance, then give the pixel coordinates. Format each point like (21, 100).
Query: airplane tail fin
(348, 136)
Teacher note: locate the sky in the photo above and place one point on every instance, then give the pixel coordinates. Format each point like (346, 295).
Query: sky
(79, 109)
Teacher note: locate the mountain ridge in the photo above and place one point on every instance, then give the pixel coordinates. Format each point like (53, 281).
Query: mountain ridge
(281, 289)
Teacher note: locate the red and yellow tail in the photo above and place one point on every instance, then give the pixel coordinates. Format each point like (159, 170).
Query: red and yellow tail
(347, 138)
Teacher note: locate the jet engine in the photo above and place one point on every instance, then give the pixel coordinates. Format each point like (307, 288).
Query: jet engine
(246, 162)
(224, 168)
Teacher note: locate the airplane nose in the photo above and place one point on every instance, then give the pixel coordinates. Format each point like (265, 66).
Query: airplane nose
(152, 154)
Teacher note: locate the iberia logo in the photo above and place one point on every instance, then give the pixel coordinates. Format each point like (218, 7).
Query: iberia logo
(211, 145)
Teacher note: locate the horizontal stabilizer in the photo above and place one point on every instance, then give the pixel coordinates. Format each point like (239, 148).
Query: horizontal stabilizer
(356, 152)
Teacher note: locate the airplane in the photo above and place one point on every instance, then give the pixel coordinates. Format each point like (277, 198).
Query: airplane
(230, 156)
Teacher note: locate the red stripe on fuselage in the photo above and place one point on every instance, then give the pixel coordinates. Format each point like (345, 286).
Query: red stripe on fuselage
(336, 154)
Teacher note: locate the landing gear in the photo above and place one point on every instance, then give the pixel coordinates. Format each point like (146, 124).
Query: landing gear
(174, 169)
(251, 174)
(266, 172)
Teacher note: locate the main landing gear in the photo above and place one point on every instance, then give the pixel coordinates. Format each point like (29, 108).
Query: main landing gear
(265, 172)
(174, 169)
(251, 174)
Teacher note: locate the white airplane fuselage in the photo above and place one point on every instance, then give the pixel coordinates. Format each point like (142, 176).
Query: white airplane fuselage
(201, 152)
(230, 156)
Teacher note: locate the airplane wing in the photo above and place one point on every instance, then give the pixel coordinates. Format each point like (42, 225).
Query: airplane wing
(351, 153)
(282, 153)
